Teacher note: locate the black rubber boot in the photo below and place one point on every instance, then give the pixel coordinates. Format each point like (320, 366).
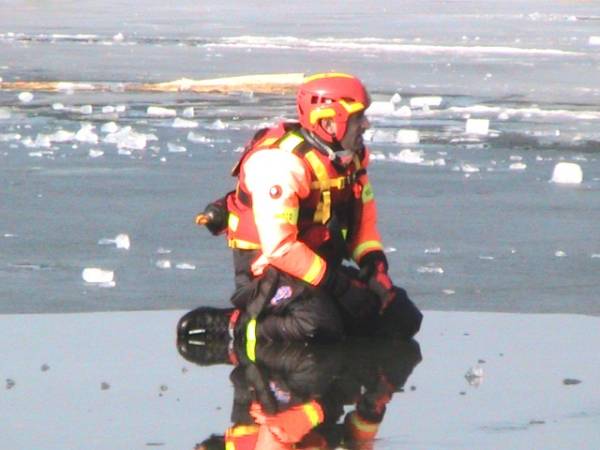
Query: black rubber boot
(205, 322)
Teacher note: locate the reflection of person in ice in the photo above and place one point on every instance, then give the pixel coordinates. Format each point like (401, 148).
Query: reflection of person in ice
(292, 396)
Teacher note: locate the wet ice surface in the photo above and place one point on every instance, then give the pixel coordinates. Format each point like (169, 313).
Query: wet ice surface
(533, 383)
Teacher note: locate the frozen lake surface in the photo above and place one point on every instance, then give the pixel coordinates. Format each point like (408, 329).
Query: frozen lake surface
(116, 380)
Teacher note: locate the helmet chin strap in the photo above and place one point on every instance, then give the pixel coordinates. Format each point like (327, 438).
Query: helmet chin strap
(339, 157)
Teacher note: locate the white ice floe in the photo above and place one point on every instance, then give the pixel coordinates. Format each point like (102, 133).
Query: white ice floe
(449, 291)
(185, 266)
(560, 254)
(25, 97)
(468, 168)
(62, 136)
(474, 376)
(86, 134)
(127, 138)
(403, 111)
(478, 127)
(408, 156)
(407, 137)
(95, 153)
(118, 37)
(97, 275)
(159, 111)
(188, 112)
(121, 241)
(567, 173)
(379, 108)
(595, 255)
(108, 109)
(120, 108)
(58, 106)
(183, 123)
(174, 148)
(486, 258)
(10, 137)
(198, 138)
(109, 127)
(376, 156)
(218, 125)
(518, 166)
(163, 251)
(41, 141)
(594, 40)
(390, 250)
(433, 250)
(430, 269)
(396, 98)
(425, 102)
(163, 264)
(84, 109)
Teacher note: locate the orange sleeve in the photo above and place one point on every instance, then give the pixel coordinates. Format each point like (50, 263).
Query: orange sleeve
(366, 237)
(277, 181)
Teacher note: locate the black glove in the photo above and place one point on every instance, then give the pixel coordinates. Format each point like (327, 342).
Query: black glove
(214, 216)
(351, 294)
(373, 271)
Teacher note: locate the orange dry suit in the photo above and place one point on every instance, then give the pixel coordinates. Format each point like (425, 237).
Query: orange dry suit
(288, 191)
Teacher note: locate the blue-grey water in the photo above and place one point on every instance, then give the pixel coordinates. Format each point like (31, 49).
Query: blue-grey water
(474, 225)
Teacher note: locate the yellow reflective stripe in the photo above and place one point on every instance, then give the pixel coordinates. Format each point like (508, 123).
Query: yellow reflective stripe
(312, 413)
(229, 446)
(290, 142)
(363, 426)
(233, 221)
(352, 107)
(314, 270)
(242, 430)
(319, 76)
(243, 245)
(251, 340)
(344, 233)
(337, 183)
(367, 193)
(267, 142)
(362, 248)
(323, 209)
(321, 113)
(288, 215)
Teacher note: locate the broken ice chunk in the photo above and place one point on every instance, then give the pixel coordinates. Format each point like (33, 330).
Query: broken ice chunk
(408, 137)
(25, 97)
(188, 112)
(174, 148)
(163, 264)
(159, 111)
(567, 173)
(425, 102)
(474, 376)
(182, 123)
(97, 275)
(477, 126)
(121, 241)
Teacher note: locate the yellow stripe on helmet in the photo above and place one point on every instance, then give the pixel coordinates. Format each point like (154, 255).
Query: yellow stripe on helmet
(320, 76)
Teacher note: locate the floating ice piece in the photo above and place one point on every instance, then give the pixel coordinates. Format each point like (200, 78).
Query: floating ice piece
(425, 102)
(109, 127)
(396, 98)
(58, 106)
(108, 109)
(159, 111)
(163, 251)
(477, 126)
(97, 275)
(518, 166)
(474, 376)
(593, 255)
(567, 173)
(503, 116)
(188, 112)
(449, 291)
(560, 254)
(10, 137)
(121, 241)
(163, 264)
(376, 156)
(118, 37)
(430, 269)
(433, 250)
(41, 141)
(120, 108)
(379, 108)
(182, 123)
(389, 249)
(61, 136)
(95, 153)
(25, 97)
(469, 168)
(185, 266)
(408, 156)
(218, 125)
(408, 137)
(86, 134)
(594, 40)
(126, 138)
(84, 109)
(198, 138)
(403, 111)
(516, 158)
(174, 148)
(487, 258)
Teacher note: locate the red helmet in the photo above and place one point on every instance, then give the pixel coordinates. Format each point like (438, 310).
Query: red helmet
(330, 96)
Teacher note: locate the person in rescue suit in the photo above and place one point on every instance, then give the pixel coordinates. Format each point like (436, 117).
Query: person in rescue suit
(293, 396)
(303, 204)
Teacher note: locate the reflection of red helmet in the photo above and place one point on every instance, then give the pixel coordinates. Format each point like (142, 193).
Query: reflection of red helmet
(330, 96)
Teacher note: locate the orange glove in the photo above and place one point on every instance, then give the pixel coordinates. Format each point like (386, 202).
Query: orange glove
(291, 425)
